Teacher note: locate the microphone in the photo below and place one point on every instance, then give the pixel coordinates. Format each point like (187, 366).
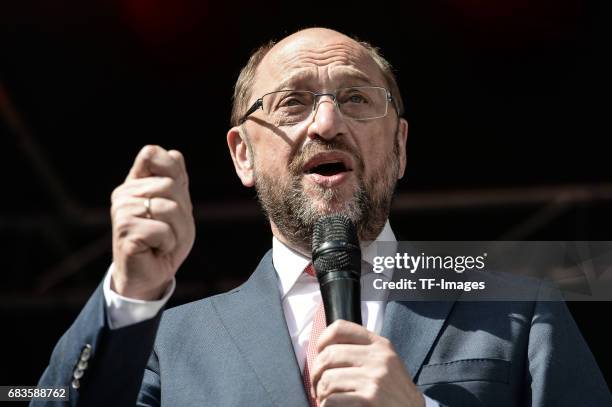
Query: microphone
(336, 257)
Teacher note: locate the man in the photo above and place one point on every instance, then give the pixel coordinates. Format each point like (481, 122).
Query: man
(317, 130)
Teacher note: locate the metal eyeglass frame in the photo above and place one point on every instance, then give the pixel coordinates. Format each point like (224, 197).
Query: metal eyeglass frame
(259, 102)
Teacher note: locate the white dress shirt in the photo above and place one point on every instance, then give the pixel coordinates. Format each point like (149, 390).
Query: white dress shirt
(300, 295)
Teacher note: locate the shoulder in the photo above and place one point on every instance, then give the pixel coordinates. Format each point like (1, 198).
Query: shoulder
(206, 312)
(193, 313)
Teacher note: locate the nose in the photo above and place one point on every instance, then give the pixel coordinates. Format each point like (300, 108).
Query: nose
(327, 121)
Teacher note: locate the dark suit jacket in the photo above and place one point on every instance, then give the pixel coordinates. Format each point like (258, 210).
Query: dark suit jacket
(234, 349)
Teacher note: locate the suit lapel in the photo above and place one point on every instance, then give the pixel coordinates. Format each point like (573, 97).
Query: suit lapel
(413, 327)
(254, 318)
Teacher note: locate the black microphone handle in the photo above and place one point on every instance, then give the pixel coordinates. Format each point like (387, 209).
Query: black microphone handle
(341, 292)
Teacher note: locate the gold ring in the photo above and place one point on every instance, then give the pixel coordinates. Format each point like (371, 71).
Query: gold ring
(147, 205)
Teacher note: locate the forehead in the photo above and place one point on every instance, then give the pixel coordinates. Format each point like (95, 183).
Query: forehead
(316, 61)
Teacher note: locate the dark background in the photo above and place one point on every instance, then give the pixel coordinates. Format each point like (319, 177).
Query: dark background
(508, 136)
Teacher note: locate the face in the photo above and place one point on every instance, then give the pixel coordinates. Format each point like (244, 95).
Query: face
(328, 163)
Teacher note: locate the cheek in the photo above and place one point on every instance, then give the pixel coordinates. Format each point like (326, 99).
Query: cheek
(375, 161)
(271, 161)
(376, 147)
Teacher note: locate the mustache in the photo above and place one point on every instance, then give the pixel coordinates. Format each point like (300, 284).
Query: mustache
(301, 157)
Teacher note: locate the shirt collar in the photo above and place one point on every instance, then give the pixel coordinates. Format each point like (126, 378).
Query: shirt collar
(290, 264)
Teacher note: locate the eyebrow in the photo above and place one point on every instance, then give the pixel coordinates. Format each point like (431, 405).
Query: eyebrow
(345, 77)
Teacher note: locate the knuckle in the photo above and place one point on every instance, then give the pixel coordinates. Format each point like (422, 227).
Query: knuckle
(176, 154)
(149, 151)
(323, 358)
(166, 229)
(177, 169)
(121, 225)
(378, 375)
(129, 247)
(116, 192)
(385, 342)
(137, 239)
(345, 327)
(370, 393)
(335, 327)
(120, 205)
(324, 384)
(166, 183)
(385, 367)
(172, 206)
(387, 358)
(166, 234)
(342, 324)
(120, 201)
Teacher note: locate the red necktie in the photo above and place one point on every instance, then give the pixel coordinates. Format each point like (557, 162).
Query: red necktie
(318, 325)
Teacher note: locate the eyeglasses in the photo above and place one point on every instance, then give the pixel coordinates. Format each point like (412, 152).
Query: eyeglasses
(290, 107)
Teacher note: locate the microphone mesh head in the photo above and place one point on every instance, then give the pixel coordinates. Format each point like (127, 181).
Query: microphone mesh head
(346, 256)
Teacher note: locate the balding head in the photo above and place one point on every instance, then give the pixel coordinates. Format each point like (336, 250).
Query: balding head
(311, 37)
(271, 56)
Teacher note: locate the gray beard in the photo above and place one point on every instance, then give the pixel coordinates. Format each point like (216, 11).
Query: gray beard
(292, 211)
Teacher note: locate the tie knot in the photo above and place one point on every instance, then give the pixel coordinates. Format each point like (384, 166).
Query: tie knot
(310, 270)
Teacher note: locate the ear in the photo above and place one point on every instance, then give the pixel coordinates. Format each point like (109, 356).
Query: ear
(239, 148)
(402, 136)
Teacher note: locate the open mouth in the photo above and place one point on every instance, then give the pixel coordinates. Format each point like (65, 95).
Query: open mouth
(328, 169)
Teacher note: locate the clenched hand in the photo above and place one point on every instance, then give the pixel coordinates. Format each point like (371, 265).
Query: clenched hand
(150, 244)
(356, 367)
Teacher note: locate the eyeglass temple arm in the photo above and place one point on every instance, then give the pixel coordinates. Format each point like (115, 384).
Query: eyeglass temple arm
(258, 103)
(391, 99)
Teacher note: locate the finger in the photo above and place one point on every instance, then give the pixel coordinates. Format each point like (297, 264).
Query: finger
(163, 187)
(344, 332)
(338, 356)
(341, 380)
(137, 235)
(348, 399)
(154, 160)
(164, 210)
(170, 212)
(178, 156)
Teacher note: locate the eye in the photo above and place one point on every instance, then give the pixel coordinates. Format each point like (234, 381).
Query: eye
(291, 102)
(354, 97)
(357, 98)
(293, 99)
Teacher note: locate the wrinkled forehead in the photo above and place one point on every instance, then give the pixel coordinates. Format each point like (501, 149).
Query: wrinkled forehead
(316, 64)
